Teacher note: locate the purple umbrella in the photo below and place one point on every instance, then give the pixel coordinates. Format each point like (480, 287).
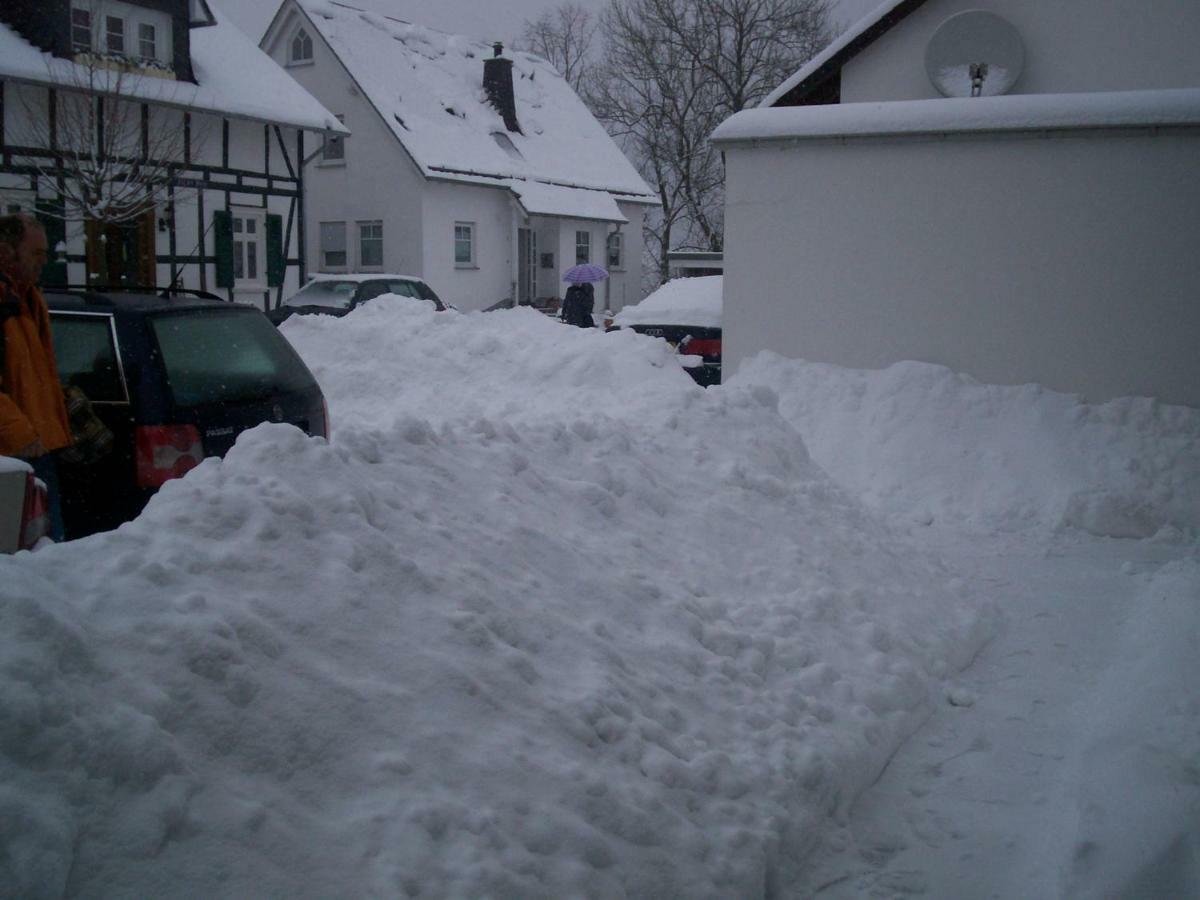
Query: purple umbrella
(585, 273)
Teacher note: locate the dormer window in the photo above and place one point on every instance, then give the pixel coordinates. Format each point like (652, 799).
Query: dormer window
(114, 35)
(302, 47)
(81, 30)
(138, 34)
(147, 41)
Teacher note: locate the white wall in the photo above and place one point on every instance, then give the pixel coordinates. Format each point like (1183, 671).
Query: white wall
(1070, 46)
(493, 213)
(376, 182)
(1071, 261)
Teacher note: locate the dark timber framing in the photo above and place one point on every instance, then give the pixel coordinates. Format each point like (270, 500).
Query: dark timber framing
(33, 164)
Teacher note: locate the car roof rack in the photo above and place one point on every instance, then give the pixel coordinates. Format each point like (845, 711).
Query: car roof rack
(164, 292)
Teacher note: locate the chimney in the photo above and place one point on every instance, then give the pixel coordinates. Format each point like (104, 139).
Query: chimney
(498, 82)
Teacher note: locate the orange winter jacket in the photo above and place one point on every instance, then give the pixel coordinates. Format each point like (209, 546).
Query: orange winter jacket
(31, 399)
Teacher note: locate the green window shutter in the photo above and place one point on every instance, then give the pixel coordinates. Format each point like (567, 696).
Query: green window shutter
(276, 260)
(223, 246)
(49, 213)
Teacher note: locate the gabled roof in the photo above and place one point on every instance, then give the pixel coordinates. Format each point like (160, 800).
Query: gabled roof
(818, 81)
(427, 87)
(233, 78)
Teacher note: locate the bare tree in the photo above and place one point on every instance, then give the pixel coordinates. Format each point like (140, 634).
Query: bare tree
(113, 155)
(675, 69)
(564, 37)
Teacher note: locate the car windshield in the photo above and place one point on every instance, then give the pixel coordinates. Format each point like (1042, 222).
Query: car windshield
(335, 294)
(217, 356)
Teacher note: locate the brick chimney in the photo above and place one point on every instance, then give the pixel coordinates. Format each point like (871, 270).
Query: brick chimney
(498, 82)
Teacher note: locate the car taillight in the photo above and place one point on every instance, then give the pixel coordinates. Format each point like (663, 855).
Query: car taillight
(165, 452)
(35, 513)
(701, 346)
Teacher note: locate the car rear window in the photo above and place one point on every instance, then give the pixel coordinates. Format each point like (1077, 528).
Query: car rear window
(335, 294)
(87, 356)
(222, 356)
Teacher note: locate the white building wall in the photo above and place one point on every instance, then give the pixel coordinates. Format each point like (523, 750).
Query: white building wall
(1070, 46)
(1066, 260)
(492, 212)
(377, 181)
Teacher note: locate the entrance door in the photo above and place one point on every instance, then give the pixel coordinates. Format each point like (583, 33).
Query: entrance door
(120, 254)
(526, 265)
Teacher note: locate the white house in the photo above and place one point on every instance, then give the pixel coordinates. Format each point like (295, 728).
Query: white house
(481, 172)
(179, 78)
(1045, 230)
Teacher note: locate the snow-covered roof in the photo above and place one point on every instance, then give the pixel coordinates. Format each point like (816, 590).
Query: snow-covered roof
(540, 199)
(1176, 107)
(427, 86)
(855, 38)
(233, 78)
(693, 301)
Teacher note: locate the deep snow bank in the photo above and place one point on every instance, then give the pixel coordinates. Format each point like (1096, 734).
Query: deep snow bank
(508, 635)
(922, 442)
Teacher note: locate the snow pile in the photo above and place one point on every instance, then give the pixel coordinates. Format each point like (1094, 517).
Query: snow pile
(1137, 798)
(922, 442)
(508, 635)
(681, 301)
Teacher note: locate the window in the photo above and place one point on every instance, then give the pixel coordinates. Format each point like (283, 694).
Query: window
(583, 247)
(114, 34)
(333, 245)
(615, 250)
(87, 357)
(370, 245)
(81, 30)
(302, 47)
(147, 41)
(464, 244)
(248, 255)
(334, 147)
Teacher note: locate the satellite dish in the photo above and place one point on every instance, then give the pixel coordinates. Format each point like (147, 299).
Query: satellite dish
(974, 54)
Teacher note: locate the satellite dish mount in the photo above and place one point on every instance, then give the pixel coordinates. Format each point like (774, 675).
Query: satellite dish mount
(974, 54)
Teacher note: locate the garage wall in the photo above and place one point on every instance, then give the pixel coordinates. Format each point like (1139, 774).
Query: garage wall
(1071, 259)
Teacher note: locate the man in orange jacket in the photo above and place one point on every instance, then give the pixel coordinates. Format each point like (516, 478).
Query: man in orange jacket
(33, 415)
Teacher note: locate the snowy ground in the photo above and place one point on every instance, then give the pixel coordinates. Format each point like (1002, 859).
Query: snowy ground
(510, 634)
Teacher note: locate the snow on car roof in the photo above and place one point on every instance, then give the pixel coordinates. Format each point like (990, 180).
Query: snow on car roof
(682, 301)
(359, 277)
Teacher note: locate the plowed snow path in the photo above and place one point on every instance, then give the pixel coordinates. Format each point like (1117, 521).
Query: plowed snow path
(1066, 761)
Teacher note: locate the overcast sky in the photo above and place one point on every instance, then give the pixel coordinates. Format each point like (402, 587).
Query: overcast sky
(485, 19)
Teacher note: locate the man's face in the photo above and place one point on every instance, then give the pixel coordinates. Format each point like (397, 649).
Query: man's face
(31, 255)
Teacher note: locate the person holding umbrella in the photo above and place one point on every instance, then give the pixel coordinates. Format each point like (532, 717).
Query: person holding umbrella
(581, 296)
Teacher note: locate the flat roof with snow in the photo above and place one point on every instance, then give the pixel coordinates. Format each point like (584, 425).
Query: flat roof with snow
(1173, 108)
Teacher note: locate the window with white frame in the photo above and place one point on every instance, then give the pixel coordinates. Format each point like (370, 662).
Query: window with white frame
(249, 247)
(370, 245)
(81, 29)
(583, 247)
(464, 245)
(114, 34)
(121, 29)
(333, 149)
(147, 41)
(616, 250)
(333, 245)
(301, 49)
